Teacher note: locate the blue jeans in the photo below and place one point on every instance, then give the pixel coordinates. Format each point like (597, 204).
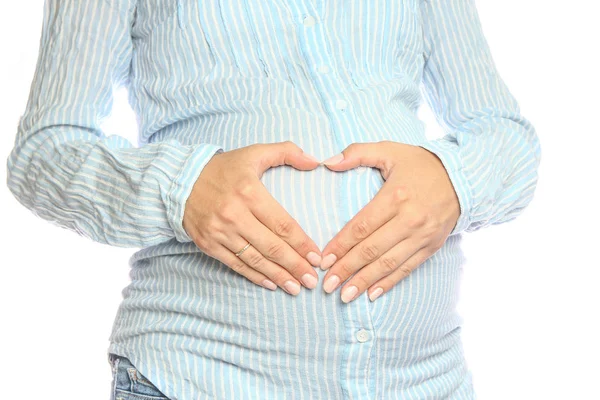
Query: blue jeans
(129, 384)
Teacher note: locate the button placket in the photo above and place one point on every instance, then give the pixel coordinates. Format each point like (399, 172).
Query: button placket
(336, 99)
(310, 21)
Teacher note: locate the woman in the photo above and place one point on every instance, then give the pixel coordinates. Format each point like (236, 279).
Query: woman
(236, 103)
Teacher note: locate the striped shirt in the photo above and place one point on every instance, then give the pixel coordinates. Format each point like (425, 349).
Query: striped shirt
(205, 77)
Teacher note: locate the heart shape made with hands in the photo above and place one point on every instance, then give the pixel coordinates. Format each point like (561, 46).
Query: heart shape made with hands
(407, 221)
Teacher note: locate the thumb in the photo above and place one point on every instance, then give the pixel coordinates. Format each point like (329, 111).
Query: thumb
(286, 153)
(356, 154)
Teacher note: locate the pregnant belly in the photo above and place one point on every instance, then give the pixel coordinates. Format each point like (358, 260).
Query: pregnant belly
(322, 201)
(193, 294)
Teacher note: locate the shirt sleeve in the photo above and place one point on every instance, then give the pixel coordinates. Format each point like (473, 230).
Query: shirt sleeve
(64, 168)
(490, 151)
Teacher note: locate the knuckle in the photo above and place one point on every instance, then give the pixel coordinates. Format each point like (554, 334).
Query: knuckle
(238, 267)
(212, 226)
(229, 212)
(339, 247)
(361, 281)
(296, 268)
(388, 264)
(400, 194)
(415, 222)
(283, 228)
(361, 229)
(405, 270)
(288, 147)
(433, 225)
(369, 252)
(304, 246)
(247, 189)
(255, 259)
(346, 270)
(274, 250)
(280, 277)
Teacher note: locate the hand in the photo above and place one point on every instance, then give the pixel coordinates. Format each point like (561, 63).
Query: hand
(407, 221)
(229, 207)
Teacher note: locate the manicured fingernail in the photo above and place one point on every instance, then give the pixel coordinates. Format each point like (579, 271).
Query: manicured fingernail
(309, 281)
(349, 293)
(331, 283)
(334, 160)
(269, 285)
(292, 287)
(376, 293)
(310, 157)
(314, 258)
(328, 261)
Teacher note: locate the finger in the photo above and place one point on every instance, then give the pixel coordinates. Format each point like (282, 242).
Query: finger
(272, 215)
(385, 265)
(253, 260)
(385, 284)
(371, 217)
(367, 251)
(272, 247)
(228, 258)
(283, 153)
(371, 154)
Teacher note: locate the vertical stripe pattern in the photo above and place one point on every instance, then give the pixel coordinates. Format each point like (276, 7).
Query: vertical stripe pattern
(211, 76)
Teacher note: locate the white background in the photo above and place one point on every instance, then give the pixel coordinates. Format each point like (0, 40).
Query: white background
(530, 293)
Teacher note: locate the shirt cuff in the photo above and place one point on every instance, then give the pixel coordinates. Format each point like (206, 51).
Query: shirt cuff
(447, 152)
(182, 184)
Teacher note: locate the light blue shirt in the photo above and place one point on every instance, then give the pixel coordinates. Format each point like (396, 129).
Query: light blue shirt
(210, 76)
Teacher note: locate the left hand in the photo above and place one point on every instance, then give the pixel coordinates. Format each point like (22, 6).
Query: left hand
(406, 222)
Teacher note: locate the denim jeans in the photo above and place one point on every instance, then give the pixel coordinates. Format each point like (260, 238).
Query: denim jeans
(129, 384)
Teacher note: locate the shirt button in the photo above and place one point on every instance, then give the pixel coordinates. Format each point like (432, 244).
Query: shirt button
(361, 169)
(309, 21)
(362, 335)
(341, 104)
(323, 69)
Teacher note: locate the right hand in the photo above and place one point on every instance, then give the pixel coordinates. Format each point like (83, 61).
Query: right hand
(229, 207)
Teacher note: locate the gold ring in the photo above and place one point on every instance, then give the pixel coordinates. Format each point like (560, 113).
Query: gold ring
(242, 250)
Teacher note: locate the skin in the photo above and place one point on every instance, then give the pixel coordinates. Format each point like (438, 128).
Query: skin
(407, 221)
(229, 207)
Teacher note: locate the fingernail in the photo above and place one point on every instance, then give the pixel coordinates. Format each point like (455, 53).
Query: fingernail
(314, 258)
(328, 261)
(331, 283)
(310, 157)
(334, 160)
(349, 293)
(269, 285)
(376, 293)
(309, 281)
(292, 287)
